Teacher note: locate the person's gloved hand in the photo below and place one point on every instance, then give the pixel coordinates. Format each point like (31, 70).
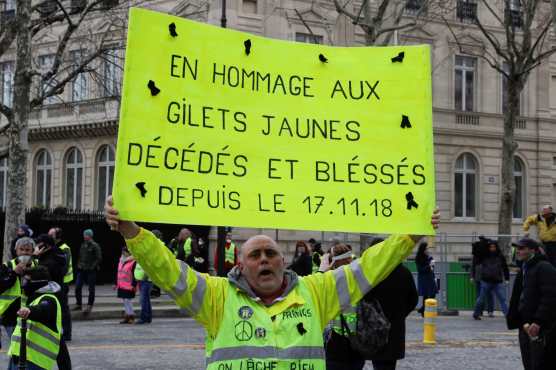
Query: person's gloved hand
(324, 263)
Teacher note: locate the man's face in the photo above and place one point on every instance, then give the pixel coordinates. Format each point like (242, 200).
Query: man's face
(52, 233)
(492, 248)
(184, 234)
(24, 250)
(20, 232)
(262, 264)
(546, 211)
(524, 253)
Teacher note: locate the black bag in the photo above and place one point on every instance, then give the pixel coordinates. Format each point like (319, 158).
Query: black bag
(372, 328)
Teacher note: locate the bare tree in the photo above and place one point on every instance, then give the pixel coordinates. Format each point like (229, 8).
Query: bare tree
(92, 24)
(521, 46)
(381, 21)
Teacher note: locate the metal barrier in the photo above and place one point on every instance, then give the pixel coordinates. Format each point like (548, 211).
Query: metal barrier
(456, 291)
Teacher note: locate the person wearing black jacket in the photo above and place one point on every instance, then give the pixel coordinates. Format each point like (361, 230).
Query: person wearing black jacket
(494, 272)
(36, 283)
(302, 262)
(533, 307)
(397, 295)
(9, 274)
(51, 257)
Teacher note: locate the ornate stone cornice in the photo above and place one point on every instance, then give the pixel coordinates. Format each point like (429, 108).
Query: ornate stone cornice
(70, 131)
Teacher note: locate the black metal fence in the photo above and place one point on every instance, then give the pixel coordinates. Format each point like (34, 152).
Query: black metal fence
(73, 222)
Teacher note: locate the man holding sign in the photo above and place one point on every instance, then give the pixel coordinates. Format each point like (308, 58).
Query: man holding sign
(220, 127)
(262, 316)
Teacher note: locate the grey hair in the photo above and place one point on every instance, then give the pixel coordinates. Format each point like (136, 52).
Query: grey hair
(24, 241)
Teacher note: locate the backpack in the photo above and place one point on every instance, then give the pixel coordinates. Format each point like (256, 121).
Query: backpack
(372, 328)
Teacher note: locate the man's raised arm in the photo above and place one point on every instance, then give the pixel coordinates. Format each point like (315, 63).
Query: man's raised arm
(200, 294)
(343, 287)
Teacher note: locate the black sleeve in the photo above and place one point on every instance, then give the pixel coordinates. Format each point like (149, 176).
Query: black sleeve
(505, 268)
(412, 294)
(44, 312)
(546, 311)
(7, 277)
(307, 265)
(181, 253)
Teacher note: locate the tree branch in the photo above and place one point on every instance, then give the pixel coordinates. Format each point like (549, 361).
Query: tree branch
(306, 26)
(7, 36)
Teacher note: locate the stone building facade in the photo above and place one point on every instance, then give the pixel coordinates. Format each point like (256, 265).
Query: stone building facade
(73, 138)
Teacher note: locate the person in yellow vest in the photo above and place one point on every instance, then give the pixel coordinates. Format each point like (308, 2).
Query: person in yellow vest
(262, 315)
(230, 254)
(181, 245)
(43, 314)
(546, 227)
(56, 234)
(10, 282)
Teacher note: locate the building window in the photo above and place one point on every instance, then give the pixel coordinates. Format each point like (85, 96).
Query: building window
(308, 38)
(7, 70)
(513, 13)
(249, 6)
(112, 73)
(7, 11)
(415, 7)
(74, 178)
(80, 84)
(105, 174)
(464, 88)
(465, 183)
(466, 10)
(519, 195)
(45, 63)
(43, 175)
(3, 182)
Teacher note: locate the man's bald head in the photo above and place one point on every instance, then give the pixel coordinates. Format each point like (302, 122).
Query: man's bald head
(258, 240)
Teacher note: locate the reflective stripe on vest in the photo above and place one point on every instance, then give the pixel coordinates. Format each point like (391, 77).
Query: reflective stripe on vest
(125, 274)
(249, 338)
(187, 247)
(68, 277)
(230, 254)
(43, 344)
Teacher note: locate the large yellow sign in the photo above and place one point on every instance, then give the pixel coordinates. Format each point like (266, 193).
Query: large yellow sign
(220, 127)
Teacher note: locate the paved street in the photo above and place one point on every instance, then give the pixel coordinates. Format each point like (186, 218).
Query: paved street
(177, 344)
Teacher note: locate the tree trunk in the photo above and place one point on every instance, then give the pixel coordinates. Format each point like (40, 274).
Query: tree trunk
(509, 147)
(370, 36)
(17, 134)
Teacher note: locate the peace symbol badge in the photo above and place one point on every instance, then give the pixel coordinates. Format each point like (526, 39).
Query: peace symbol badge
(243, 331)
(245, 312)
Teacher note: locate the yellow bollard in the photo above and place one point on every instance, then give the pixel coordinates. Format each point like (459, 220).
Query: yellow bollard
(429, 327)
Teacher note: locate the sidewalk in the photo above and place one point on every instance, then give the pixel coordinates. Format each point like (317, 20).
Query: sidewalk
(109, 306)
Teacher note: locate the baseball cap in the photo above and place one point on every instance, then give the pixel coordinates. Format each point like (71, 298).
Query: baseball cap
(526, 243)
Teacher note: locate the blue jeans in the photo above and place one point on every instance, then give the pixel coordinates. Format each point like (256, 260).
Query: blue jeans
(489, 298)
(146, 308)
(487, 288)
(89, 276)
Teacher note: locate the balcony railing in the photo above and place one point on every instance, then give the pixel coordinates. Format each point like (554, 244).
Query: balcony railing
(513, 17)
(466, 11)
(467, 118)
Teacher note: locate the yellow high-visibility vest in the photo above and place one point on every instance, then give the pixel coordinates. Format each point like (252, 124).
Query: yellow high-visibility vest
(43, 343)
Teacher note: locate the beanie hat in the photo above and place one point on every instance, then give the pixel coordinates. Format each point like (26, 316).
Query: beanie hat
(88, 232)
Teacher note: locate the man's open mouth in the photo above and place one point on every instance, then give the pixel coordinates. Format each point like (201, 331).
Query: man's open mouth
(265, 272)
